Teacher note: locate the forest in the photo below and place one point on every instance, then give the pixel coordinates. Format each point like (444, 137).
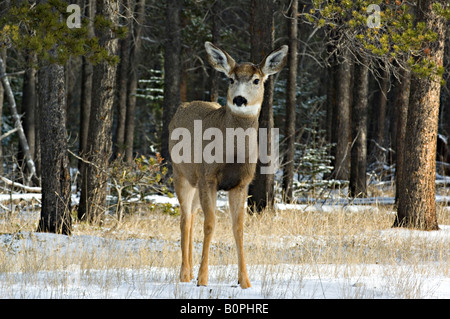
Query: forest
(88, 89)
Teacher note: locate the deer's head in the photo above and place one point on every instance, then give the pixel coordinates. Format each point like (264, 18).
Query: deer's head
(246, 80)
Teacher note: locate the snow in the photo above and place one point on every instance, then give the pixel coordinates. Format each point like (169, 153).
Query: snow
(268, 281)
(289, 281)
(312, 281)
(18, 196)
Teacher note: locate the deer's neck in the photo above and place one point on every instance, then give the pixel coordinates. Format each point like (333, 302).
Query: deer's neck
(244, 111)
(240, 120)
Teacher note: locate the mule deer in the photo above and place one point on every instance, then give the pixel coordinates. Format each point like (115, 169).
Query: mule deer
(197, 182)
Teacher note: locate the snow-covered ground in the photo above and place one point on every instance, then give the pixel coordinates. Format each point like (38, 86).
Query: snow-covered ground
(284, 280)
(268, 281)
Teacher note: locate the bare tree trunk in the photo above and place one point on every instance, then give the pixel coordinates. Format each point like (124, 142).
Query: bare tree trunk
(261, 190)
(416, 202)
(122, 88)
(172, 72)
(291, 104)
(358, 181)
(332, 106)
(86, 91)
(380, 109)
(55, 211)
(99, 143)
(133, 79)
(214, 75)
(343, 129)
(122, 80)
(401, 105)
(29, 107)
(2, 95)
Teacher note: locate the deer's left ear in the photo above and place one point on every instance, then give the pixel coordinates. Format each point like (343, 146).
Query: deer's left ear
(274, 62)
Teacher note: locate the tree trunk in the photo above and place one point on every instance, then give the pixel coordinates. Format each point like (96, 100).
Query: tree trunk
(380, 109)
(87, 71)
(55, 211)
(133, 80)
(122, 81)
(99, 143)
(261, 190)
(2, 91)
(214, 75)
(343, 126)
(122, 88)
(358, 182)
(416, 202)
(291, 104)
(401, 105)
(172, 72)
(332, 106)
(29, 107)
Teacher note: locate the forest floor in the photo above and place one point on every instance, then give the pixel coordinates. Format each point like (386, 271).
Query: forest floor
(303, 251)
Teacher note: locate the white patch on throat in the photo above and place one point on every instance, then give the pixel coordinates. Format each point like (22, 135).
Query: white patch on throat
(245, 110)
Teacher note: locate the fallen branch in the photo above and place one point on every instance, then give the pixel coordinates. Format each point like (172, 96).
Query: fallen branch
(28, 189)
(14, 130)
(17, 124)
(5, 208)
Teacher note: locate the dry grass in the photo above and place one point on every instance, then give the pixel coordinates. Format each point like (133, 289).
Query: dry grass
(318, 241)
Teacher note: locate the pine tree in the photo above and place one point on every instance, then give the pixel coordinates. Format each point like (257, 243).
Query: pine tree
(99, 142)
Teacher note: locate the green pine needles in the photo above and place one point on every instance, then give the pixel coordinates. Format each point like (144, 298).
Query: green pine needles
(43, 29)
(382, 29)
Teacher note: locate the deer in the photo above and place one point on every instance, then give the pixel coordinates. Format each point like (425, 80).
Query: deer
(196, 183)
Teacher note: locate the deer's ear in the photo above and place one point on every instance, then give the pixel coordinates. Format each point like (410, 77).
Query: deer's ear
(219, 59)
(274, 61)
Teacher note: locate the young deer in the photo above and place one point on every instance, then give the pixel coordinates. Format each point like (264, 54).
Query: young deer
(197, 182)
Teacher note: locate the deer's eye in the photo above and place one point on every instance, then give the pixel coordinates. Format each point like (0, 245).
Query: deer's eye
(256, 81)
(231, 81)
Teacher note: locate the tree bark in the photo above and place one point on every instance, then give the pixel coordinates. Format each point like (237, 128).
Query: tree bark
(291, 104)
(358, 181)
(401, 105)
(416, 202)
(343, 126)
(2, 95)
(86, 90)
(122, 82)
(55, 211)
(172, 72)
(380, 109)
(99, 144)
(215, 31)
(332, 107)
(133, 80)
(261, 190)
(122, 88)
(29, 107)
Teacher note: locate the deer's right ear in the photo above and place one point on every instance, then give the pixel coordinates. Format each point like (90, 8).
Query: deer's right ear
(274, 62)
(219, 59)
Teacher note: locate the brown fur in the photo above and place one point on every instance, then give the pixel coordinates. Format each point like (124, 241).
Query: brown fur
(196, 184)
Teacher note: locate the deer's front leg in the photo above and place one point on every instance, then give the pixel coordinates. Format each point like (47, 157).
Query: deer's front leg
(208, 196)
(237, 197)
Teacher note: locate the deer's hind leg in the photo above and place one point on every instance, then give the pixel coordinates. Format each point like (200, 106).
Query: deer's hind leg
(195, 207)
(186, 195)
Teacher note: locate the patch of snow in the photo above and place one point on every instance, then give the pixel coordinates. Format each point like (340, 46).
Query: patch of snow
(268, 281)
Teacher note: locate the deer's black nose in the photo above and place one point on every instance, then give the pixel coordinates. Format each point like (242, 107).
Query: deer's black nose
(239, 100)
